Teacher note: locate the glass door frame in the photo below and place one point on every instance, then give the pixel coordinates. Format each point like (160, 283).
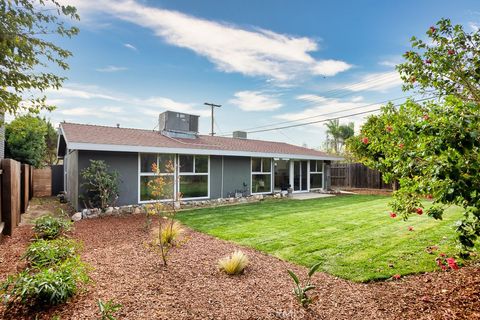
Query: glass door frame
(292, 175)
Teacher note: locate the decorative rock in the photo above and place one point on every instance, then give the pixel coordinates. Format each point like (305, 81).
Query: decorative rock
(93, 215)
(176, 205)
(109, 211)
(85, 213)
(77, 216)
(137, 210)
(242, 200)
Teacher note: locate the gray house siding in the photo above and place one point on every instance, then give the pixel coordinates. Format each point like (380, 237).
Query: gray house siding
(215, 177)
(70, 163)
(126, 163)
(236, 173)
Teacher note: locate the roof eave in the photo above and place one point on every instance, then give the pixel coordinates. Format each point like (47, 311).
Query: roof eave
(216, 152)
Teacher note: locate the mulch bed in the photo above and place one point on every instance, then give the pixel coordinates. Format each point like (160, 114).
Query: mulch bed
(191, 287)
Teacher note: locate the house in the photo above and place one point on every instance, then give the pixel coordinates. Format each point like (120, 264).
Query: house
(208, 167)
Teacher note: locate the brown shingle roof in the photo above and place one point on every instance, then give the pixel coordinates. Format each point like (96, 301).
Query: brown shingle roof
(93, 134)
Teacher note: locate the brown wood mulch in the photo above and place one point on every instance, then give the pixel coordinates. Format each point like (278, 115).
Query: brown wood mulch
(191, 287)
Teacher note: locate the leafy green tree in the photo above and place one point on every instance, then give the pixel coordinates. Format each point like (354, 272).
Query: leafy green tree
(25, 140)
(432, 148)
(51, 138)
(100, 184)
(26, 54)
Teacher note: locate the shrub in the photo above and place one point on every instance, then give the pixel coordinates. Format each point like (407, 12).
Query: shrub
(299, 290)
(44, 253)
(49, 227)
(101, 185)
(48, 286)
(233, 264)
(107, 309)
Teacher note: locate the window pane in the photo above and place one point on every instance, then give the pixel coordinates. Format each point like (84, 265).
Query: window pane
(319, 166)
(201, 164)
(266, 164)
(313, 165)
(316, 180)
(194, 186)
(186, 163)
(256, 164)
(146, 191)
(164, 161)
(261, 183)
(146, 161)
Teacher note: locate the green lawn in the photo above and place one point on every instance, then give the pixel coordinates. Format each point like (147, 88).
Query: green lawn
(353, 236)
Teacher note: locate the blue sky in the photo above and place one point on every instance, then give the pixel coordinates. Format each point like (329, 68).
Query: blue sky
(264, 61)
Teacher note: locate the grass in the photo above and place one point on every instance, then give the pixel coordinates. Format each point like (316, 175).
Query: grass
(352, 236)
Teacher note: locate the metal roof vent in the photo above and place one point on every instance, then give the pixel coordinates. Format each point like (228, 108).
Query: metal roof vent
(240, 134)
(178, 125)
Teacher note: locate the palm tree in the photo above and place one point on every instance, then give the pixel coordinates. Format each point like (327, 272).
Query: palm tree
(337, 134)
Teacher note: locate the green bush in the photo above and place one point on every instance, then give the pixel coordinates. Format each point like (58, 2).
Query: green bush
(45, 253)
(49, 227)
(48, 286)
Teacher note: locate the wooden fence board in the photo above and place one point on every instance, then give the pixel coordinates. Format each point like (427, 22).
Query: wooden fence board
(10, 194)
(25, 187)
(42, 182)
(356, 175)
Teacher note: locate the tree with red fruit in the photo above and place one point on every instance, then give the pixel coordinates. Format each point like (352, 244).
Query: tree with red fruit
(449, 63)
(432, 148)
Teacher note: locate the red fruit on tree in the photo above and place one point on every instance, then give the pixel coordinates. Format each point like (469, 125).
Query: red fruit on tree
(401, 145)
(389, 128)
(410, 228)
(365, 140)
(393, 215)
(428, 61)
(426, 117)
(432, 29)
(419, 211)
(451, 52)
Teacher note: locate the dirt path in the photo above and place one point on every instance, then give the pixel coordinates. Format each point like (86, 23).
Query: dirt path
(192, 288)
(46, 205)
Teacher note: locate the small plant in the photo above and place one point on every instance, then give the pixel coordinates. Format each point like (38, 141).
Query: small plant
(47, 286)
(107, 309)
(233, 264)
(299, 290)
(44, 253)
(49, 227)
(171, 232)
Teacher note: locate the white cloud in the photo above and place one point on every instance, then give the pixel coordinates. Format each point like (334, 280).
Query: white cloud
(153, 106)
(252, 52)
(255, 101)
(81, 92)
(130, 46)
(111, 69)
(381, 81)
(311, 98)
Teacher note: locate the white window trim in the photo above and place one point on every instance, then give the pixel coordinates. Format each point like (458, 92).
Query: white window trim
(252, 173)
(180, 174)
(151, 174)
(317, 172)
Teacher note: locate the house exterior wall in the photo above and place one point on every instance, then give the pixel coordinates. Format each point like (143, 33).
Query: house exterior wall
(126, 163)
(70, 166)
(236, 173)
(216, 177)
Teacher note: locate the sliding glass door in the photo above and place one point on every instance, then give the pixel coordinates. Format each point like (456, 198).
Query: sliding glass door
(300, 175)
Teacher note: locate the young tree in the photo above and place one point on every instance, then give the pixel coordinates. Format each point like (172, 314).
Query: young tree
(25, 53)
(433, 148)
(25, 140)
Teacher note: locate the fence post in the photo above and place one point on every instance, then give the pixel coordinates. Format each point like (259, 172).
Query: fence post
(10, 195)
(25, 188)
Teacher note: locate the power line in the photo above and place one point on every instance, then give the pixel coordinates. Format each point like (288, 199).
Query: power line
(325, 120)
(321, 115)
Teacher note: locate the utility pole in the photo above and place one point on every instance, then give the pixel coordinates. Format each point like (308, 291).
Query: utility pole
(212, 105)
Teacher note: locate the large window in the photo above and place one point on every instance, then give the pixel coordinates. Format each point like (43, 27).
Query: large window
(193, 176)
(316, 174)
(261, 175)
(146, 174)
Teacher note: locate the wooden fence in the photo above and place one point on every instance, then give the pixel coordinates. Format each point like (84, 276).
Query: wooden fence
(356, 175)
(42, 182)
(15, 193)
